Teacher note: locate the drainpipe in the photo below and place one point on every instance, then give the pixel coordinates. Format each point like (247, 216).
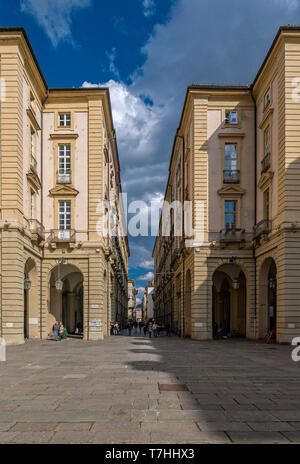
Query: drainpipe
(255, 208)
(182, 206)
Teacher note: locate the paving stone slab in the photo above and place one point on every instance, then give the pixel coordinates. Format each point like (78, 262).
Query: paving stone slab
(258, 437)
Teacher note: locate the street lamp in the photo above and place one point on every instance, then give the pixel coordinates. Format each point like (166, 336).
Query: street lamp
(27, 281)
(235, 284)
(272, 283)
(27, 284)
(59, 282)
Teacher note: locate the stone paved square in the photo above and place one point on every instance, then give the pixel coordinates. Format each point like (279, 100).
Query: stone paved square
(108, 392)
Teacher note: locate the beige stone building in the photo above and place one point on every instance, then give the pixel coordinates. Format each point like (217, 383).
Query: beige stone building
(59, 162)
(236, 158)
(132, 292)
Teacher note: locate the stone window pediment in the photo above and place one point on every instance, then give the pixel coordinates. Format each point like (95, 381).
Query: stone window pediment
(63, 190)
(231, 191)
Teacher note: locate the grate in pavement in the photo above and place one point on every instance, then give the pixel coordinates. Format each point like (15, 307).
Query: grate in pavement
(172, 387)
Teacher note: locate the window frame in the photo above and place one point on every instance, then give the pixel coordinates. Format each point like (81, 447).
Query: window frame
(65, 214)
(231, 213)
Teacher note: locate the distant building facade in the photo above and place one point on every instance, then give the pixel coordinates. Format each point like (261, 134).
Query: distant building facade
(132, 292)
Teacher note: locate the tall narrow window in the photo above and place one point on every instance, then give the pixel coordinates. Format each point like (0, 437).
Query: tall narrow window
(266, 205)
(230, 214)
(32, 204)
(64, 215)
(267, 144)
(32, 144)
(64, 163)
(65, 120)
(230, 173)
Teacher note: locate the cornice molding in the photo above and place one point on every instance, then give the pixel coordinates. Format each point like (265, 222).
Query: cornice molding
(63, 190)
(231, 191)
(265, 180)
(64, 135)
(231, 134)
(33, 119)
(34, 180)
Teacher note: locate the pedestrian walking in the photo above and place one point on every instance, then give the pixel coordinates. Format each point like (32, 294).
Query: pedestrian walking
(129, 328)
(155, 329)
(141, 326)
(145, 328)
(115, 331)
(55, 329)
(150, 329)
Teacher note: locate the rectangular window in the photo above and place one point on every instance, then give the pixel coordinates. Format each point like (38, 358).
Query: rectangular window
(65, 120)
(64, 215)
(32, 143)
(267, 141)
(267, 205)
(267, 98)
(231, 117)
(64, 159)
(230, 214)
(230, 157)
(32, 204)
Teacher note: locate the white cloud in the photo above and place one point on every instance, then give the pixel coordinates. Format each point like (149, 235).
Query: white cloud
(149, 276)
(111, 56)
(147, 264)
(55, 16)
(149, 7)
(135, 120)
(138, 301)
(215, 43)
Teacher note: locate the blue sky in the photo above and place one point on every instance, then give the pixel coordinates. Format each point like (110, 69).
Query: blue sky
(147, 52)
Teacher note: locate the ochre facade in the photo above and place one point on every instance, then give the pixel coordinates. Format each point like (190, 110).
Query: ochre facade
(59, 163)
(236, 158)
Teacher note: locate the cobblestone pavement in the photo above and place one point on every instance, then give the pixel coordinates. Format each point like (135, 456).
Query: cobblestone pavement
(112, 392)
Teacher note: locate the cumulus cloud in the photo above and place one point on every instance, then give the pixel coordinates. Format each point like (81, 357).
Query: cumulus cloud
(216, 42)
(149, 276)
(54, 16)
(147, 264)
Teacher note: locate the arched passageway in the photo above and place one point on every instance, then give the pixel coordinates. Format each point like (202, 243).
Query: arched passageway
(66, 304)
(268, 297)
(229, 301)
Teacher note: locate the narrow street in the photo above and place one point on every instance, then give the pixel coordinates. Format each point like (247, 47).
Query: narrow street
(126, 390)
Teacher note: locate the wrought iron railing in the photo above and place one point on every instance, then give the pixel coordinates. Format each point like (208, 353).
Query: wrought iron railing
(64, 176)
(36, 228)
(232, 234)
(33, 162)
(231, 176)
(263, 227)
(62, 235)
(266, 163)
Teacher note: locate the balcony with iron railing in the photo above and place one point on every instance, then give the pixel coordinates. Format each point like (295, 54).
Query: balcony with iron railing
(263, 227)
(62, 235)
(33, 163)
(266, 163)
(36, 228)
(232, 234)
(231, 176)
(63, 176)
